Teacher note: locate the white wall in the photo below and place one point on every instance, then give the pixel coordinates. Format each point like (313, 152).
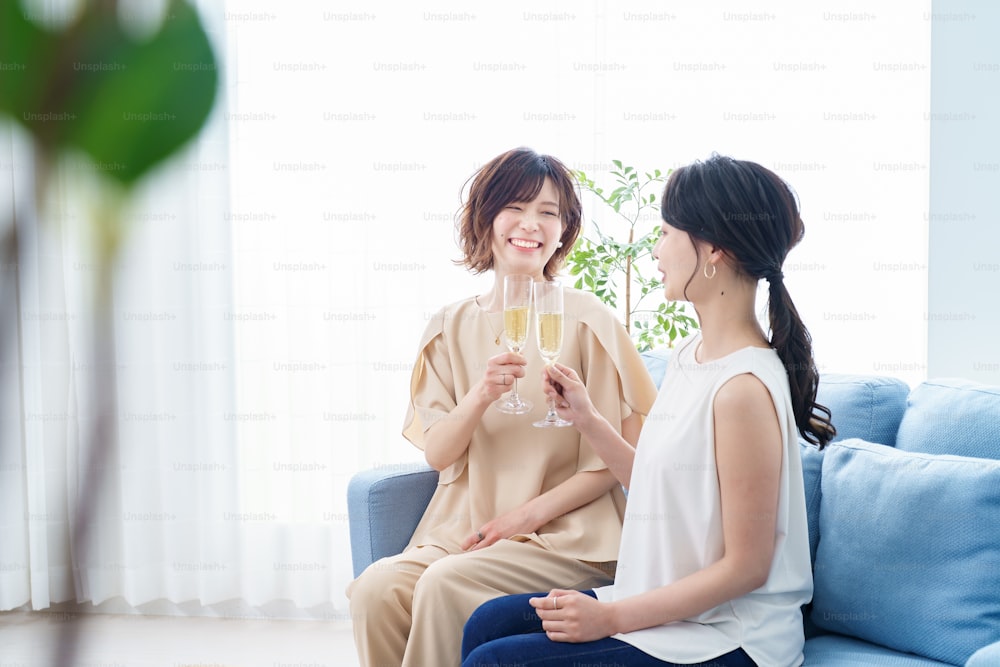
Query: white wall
(963, 318)
(355, 126)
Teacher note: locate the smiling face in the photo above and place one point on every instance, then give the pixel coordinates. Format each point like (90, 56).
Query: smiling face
(526, 234)
(513, 186)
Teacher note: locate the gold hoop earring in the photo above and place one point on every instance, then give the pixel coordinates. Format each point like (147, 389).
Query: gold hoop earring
(704, 270)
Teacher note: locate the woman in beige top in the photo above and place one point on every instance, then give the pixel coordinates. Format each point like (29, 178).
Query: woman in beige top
(517, 508)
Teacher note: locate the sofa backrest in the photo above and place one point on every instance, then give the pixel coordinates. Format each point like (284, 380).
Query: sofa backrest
(952, 416)
(868, 407)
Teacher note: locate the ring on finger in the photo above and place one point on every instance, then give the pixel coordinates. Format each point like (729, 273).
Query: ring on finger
(555, 602)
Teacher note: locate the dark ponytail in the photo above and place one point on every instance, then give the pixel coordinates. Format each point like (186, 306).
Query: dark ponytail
(792, 342)
(749, 212)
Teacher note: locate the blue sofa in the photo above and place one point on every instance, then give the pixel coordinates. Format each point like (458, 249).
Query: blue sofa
(904, 522)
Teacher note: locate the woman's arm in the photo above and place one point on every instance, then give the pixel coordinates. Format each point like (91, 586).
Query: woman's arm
(577, 491)
(448, 438)
(748, 448)
(573, 403)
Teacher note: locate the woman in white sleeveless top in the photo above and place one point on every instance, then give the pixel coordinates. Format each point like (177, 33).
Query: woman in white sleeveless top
(714, 559)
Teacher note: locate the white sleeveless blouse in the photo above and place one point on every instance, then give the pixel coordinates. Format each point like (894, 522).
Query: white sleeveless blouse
(673, 519)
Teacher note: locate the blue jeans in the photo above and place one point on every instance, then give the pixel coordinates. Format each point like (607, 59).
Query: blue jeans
(507, 632)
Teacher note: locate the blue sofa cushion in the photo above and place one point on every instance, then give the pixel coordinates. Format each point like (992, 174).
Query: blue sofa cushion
(908, 556)
(952, 417)
(838, 651)
(869, 407)
(862, 406)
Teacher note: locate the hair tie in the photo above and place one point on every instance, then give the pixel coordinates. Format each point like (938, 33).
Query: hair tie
(774, 277)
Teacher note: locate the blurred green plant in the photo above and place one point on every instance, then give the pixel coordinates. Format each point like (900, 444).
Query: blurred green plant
(612, 268)
(126, 103)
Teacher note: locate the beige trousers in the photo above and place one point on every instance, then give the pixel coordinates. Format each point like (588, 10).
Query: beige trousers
(409, 610)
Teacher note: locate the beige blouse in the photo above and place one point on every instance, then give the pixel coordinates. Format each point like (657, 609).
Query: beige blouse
(509, 461)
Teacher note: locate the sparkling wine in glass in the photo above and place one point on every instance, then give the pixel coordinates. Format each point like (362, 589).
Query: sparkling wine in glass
(516, 302)
(549, 322)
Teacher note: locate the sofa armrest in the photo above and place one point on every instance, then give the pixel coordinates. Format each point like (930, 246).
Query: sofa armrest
(987, 656)
(383, 508)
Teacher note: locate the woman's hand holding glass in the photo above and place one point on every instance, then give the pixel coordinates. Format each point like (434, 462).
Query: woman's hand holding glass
(567, 394)
(502, 370)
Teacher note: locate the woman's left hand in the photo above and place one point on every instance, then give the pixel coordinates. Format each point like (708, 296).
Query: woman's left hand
(572, 616)
(515, 522)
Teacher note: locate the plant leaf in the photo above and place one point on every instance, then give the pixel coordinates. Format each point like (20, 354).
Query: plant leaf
(127, 104)
(608, 262)
(26, 52)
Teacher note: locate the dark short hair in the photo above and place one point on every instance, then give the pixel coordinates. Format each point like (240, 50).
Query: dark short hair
(515, 176)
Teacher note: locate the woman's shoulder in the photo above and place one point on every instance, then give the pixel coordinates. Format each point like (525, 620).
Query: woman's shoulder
(447, 317)
(591, 314)
(580, 296)
(760, 357)
(762, 363)
(594, 318)
(450, 310)
(586, 305)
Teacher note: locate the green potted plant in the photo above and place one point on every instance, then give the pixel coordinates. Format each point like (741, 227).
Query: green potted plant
(615, 260)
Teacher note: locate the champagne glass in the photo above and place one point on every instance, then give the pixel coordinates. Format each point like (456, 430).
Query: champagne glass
(516, 301)
(549, 322)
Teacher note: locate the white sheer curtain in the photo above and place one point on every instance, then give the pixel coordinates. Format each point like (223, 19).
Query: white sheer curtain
(163, 524)
(219, 497)
(169, 486)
